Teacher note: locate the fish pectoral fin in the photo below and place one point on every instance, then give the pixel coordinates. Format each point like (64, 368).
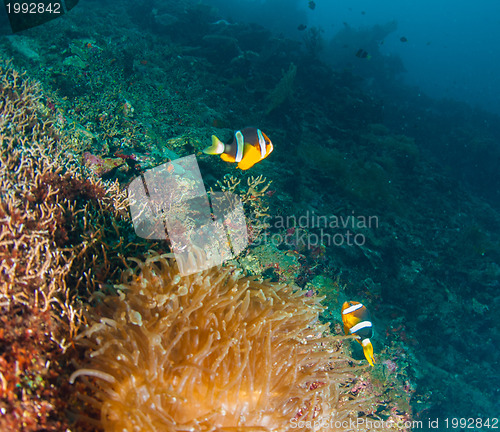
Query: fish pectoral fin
(368, 351)
(226, 158)
(250, 157)
(217, 146)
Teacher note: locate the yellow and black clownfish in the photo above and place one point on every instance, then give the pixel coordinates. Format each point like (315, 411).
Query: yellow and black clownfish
(249, 146)
(356, 319)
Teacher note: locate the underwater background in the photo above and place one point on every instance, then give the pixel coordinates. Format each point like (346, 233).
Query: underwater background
(382, 187)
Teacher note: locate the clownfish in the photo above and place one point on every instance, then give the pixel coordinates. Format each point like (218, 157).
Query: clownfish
(356, 319)
(249, 146)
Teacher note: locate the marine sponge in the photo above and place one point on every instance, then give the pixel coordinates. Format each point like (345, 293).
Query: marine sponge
(212, 351)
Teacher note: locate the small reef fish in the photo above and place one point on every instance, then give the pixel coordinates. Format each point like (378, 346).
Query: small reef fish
(403, 39)
(312, 5)
(222, 22)
(356, 319)
(249, 146)
(363, 54)
(301, 27)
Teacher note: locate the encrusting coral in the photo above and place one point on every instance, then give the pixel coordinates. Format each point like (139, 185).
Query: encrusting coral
(213, 351)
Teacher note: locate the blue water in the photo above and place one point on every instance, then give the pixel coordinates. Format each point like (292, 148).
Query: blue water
(452, 47)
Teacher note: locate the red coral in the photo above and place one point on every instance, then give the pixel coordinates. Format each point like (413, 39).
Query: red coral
(31, 396)
(70, 187)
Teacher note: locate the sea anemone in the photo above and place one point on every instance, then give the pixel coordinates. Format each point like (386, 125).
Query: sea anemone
(212, 351)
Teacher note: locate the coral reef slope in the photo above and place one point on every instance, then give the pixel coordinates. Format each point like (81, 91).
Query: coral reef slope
(213, 351)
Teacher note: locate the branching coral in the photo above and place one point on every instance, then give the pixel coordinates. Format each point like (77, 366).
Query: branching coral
(41, 196)
(253, 198)
(213, 351)
(58, 226)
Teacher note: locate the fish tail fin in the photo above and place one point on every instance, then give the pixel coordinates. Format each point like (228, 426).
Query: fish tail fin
(217, 147)
(368, 351)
